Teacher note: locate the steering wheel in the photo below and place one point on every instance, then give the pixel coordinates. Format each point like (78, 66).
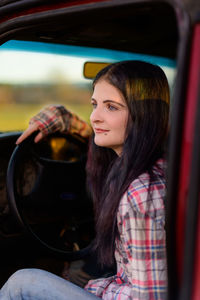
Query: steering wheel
(47, 193)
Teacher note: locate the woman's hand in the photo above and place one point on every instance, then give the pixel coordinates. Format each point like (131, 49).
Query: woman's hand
(32, 128)
(50, 119)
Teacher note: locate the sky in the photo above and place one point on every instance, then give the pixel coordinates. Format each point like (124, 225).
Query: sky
(30, 67)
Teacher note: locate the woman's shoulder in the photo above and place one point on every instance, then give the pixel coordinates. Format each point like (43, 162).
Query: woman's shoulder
(146, 194)
(146, 182)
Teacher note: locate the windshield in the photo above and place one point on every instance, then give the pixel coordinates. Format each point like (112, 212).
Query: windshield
(34, 74)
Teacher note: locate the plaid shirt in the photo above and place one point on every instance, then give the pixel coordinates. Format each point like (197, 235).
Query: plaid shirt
(140, 250)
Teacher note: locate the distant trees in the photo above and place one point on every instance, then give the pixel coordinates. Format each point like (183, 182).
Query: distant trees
(45, 93)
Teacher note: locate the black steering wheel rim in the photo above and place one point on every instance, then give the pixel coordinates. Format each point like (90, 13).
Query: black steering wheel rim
(16, 157)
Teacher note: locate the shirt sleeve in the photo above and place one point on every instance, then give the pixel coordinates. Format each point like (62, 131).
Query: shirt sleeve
(141, 221)
(57, 118)
(111, 288)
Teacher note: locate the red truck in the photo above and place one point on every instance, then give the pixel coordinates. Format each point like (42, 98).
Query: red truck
(46, 43)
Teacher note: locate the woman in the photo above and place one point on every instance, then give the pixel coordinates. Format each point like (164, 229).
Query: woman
(125, 172)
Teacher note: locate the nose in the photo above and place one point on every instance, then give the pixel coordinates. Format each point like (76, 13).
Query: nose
(96, 115)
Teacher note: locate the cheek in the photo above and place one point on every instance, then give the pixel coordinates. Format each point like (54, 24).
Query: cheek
(122, 124)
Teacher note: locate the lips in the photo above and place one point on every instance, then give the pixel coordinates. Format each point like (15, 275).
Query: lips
(100, 130)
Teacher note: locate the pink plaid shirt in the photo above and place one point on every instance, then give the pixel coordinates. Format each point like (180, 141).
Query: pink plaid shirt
(141, 248)
(140, 251)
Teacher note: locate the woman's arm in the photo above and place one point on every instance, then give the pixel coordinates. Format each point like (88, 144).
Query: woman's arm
(144, 275)
(141, 246)
(143, 238)
(56, 118)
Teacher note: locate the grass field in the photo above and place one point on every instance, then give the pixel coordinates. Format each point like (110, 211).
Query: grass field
(16, 116)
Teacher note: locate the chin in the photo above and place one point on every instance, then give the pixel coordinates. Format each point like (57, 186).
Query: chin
(101, 143)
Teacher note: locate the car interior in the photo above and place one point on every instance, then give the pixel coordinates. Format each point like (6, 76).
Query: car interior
(50, 57)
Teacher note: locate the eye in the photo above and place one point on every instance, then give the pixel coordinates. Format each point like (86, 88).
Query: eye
(111, 107)
(94, 105)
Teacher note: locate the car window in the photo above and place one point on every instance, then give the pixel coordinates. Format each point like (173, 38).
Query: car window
(35, 74)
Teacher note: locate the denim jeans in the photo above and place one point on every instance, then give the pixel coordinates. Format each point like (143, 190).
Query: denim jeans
(35, 284)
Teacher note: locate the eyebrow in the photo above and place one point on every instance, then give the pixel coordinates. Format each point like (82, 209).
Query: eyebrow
(108, 101)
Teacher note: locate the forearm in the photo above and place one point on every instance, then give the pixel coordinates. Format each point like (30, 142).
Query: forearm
(57, 118)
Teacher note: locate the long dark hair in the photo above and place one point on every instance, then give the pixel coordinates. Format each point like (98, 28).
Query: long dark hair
(145, 89)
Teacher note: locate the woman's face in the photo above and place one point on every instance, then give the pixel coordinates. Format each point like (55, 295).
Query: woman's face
(109, 116)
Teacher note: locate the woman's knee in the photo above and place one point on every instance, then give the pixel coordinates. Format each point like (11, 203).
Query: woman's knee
(27, 284)
(13, 288)
(24, 275)
(21, 280)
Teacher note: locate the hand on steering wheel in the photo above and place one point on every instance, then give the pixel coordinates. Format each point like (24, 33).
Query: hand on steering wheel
(28, 132)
